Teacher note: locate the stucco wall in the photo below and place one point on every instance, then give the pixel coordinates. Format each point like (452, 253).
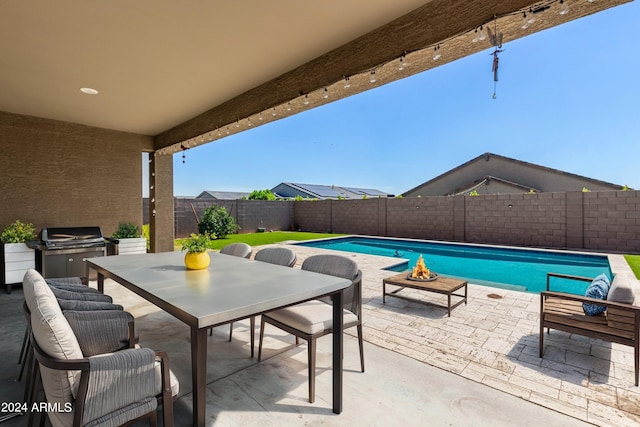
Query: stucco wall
(62, 174)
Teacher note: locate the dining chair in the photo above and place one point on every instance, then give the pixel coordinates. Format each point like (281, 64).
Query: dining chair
(95, 377)
(275, 255)
(241, 250)
(314, 319)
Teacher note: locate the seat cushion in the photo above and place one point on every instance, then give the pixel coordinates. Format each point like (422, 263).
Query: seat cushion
(175, 385)
(55, 337)
(599, 288)
(311, 317)
(622, 289)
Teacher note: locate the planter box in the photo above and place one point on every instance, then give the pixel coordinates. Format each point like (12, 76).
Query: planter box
(17, 259)
(136, 245)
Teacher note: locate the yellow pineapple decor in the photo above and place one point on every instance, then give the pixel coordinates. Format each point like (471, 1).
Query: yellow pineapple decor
(420, 271)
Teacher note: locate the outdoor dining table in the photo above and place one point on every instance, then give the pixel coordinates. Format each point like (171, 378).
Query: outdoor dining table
(230, 289)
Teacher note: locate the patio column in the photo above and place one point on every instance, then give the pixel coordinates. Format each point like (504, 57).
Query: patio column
(161, 225)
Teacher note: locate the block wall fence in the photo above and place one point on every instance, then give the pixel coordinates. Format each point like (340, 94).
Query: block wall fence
(595, 221)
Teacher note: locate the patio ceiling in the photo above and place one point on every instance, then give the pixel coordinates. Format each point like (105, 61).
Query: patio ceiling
(189, 73)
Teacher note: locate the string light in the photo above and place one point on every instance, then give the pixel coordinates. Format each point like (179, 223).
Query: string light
(400, 63)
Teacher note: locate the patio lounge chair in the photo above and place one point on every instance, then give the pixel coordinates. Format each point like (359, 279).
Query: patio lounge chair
(89, 386)
(620, 323)
(314, 319)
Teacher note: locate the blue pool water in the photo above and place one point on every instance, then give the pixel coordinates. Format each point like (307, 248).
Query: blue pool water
(508, 268)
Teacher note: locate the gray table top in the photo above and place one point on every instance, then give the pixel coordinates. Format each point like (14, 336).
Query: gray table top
(231, 288)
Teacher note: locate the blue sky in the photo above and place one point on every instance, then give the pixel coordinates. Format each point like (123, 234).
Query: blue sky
(568, 98)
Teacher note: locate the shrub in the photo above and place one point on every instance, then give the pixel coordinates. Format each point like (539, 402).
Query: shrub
(18, 232)
(126, 230)
(262, 195)
(217, 222)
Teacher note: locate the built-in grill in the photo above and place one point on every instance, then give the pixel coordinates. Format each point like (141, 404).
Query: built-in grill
(62, 251)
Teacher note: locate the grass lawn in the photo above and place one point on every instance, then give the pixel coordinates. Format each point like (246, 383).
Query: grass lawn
(634, 263)
(258, 239)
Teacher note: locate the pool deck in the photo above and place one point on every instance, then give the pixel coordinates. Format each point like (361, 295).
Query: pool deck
(478, 367)
(494, 341)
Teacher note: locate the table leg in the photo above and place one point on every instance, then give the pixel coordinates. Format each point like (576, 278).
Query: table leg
(199, 374)
(449, 303)
(336, 300)
(384, 291)
(100, 282)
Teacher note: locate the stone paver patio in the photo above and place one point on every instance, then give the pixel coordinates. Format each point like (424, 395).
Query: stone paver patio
(494, 340)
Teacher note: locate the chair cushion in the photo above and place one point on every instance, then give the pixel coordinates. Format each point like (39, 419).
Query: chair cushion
(599, 288)
(175, 384)
(311, 317)
(55, 337)
(622, 289)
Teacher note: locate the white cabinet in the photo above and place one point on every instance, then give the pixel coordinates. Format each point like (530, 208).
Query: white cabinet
(18, 258)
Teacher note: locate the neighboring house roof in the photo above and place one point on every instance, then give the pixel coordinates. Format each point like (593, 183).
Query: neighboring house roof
(495, 174)
(317, 191)
(222, 195)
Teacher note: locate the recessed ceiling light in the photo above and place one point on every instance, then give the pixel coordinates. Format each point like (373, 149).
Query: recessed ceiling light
(88, 91)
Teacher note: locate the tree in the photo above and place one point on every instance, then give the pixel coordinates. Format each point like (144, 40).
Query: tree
(262, 195)
(217, 221)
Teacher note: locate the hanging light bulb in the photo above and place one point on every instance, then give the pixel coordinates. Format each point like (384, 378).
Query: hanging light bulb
(306, 99)
(475, 38)
(325, 95)
(403, 63)
(347, 83)
(436, 53)
(273, 113)
(372, 78)
(481, 35)
(564, 8)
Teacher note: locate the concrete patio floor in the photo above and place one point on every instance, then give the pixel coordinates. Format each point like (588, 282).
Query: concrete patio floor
(478, 367)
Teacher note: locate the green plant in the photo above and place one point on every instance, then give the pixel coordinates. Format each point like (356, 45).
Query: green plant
(217, 222)
(626, 188)
(585, 190)
(262, 195)
(146, 234)
(126, 230)
(18, 232)
(197, 242)
(474, 193)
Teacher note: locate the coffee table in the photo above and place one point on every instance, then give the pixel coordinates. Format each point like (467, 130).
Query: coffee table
(441, 285)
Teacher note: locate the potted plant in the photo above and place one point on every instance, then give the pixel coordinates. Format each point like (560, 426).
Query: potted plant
(129, 239)
(196, 246)
(17, 257)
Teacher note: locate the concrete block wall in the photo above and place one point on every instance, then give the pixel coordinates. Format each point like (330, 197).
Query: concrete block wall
(598, 221)
(517, 219)
(270, 215)
(356, 216)
(612, 221)
(313, 215)
(421, 217)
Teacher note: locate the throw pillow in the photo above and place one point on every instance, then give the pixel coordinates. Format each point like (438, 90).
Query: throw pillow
(599, 288)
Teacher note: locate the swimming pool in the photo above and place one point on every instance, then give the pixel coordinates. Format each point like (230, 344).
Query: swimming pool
(508, 268)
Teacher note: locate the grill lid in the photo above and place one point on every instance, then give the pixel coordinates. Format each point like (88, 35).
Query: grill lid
(71, 237)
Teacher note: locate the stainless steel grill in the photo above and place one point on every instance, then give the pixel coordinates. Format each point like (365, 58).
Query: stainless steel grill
(62, 251)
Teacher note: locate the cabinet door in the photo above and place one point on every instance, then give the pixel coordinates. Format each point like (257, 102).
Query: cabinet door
(77, 267)
(54, 265)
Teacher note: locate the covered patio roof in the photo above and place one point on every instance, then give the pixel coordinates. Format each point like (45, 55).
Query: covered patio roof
(174, 75)
(192, 73)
